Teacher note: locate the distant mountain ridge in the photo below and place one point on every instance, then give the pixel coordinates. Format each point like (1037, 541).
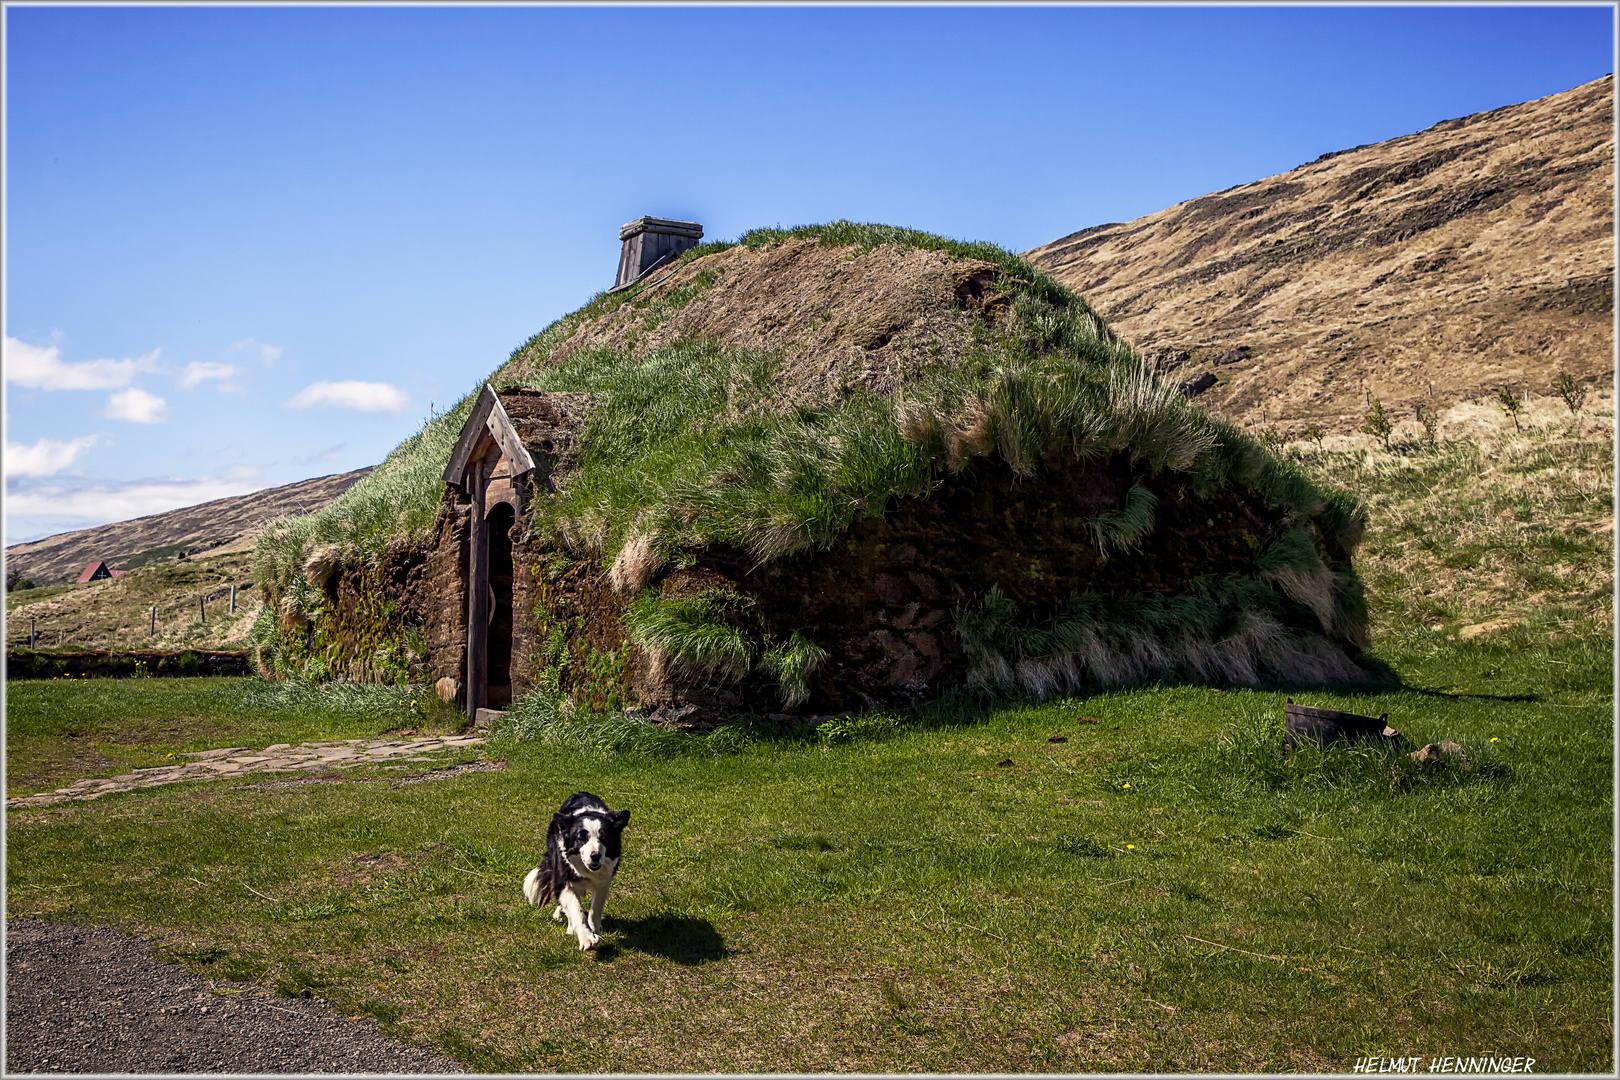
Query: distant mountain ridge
(1475, 254)
(125, 545)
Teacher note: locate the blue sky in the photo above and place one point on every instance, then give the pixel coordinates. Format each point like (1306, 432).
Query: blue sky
(246, 246)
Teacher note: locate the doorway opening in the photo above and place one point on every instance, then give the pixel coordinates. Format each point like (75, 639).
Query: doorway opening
(498, 687)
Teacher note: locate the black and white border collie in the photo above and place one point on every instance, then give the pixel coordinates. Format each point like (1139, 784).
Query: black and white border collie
(582, 854)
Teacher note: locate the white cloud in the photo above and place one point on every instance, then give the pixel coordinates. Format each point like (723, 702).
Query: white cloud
(360, 396)
(331, 453)
(136, 406)
(197, 371)
(268, 353)
(44, 369)
(47, 457)
(102, 503)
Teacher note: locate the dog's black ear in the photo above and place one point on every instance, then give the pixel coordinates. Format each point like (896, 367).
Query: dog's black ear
(560, 820)
(620, 818)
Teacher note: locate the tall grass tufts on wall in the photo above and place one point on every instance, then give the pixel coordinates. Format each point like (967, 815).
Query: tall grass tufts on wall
(1232, 630)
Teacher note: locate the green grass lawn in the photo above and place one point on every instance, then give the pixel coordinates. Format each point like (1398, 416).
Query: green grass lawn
(1162, 890)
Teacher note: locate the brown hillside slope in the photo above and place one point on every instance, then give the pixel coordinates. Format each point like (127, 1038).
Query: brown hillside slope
(117, 613)
(1472, 255)
(155, 537)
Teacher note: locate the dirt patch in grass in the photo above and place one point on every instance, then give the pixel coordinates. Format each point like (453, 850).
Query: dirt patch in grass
(337, 776)
(366, 866)
(452, 771)
(74, 757)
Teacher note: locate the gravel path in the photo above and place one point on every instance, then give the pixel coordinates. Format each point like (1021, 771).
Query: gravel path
(88, 1000)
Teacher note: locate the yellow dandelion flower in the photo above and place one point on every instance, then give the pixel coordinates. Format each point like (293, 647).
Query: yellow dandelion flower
(1127, 787)
(1130, 847)
(1495, 739)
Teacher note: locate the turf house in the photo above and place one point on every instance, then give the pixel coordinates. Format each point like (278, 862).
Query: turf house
(811, 471)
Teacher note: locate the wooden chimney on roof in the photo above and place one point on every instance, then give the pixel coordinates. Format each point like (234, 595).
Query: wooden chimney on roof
(651, 242)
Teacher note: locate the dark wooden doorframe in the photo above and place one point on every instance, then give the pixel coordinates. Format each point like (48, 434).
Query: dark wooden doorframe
(481, 546)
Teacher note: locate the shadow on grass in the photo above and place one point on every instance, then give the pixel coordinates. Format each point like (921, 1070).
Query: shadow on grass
(674, 937)
(1449, 695)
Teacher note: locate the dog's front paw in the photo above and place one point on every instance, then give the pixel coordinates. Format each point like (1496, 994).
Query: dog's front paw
(587, 940)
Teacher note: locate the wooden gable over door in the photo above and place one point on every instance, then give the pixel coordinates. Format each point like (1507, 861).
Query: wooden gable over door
(487, 429)
(492, 467)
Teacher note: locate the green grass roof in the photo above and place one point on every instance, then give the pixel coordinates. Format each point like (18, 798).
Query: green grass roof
(690, 445)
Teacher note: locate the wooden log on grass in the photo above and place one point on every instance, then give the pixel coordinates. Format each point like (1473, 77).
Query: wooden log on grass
(1306, 723)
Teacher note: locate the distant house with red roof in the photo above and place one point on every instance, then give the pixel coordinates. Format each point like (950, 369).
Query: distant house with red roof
(96, 571)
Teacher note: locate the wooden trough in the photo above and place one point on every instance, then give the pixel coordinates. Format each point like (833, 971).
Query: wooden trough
(1305, 723)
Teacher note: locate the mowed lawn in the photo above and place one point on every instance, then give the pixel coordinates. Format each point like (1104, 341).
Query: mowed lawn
(1139, 880)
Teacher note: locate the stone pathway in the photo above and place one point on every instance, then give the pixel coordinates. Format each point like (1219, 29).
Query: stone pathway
(240, 760)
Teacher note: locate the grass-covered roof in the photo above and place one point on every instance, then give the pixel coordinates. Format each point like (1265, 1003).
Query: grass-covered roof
(694, 441)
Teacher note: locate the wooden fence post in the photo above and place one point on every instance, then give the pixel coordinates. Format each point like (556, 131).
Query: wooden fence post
(233, 599)
(202, 606)
(31, 633)
(153, 631)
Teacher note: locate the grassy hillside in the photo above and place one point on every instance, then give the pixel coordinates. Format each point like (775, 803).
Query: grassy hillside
(116, 613)
(1500, 526)
(1428, 269)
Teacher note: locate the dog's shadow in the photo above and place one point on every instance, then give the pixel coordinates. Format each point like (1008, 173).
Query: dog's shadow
(673, 937)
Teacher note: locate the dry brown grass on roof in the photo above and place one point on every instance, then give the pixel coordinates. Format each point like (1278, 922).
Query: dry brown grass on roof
(839, 317)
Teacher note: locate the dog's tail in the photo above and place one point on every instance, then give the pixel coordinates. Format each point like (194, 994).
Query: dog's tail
(534, 887)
